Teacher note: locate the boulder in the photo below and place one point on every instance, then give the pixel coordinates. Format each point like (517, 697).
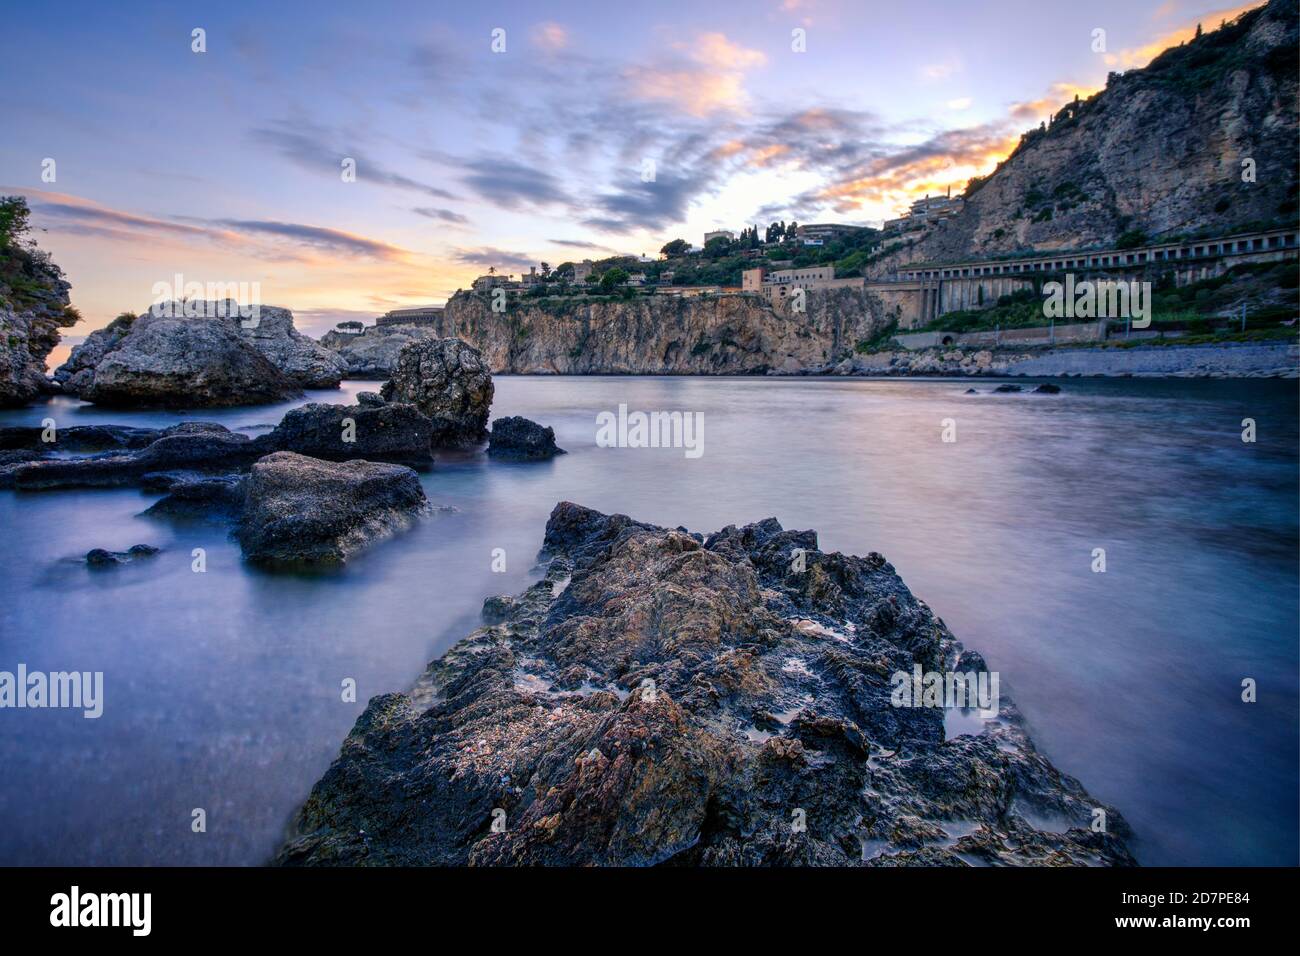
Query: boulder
(196, 496)
(305, 361)
(1047, 388)
(78, 373)
(376, 431)
(449, 382)
(519, 438)
(180, 363)
(660, 699)
(305, 511)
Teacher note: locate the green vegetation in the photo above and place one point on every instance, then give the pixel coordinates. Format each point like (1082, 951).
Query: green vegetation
(27, 276)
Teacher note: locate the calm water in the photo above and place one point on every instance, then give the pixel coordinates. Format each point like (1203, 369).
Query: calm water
(223, 689)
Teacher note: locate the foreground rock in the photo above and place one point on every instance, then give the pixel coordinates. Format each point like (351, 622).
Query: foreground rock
(448, 381)
(371, 429)
(658, 698)
(304, 511)
(193, 446)
(520, 439)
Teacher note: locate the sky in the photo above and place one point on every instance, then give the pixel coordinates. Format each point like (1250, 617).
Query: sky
(505, 134)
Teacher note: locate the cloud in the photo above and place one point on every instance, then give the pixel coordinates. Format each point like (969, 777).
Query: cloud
(961, 103)
(510, 183)
(577, 244)
(488, 256)
(707, 77)
(443, 215)
(309, 149)
(319, 237)
(550, 37)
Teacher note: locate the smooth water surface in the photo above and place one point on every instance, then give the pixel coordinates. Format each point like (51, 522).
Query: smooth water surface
(223, 689)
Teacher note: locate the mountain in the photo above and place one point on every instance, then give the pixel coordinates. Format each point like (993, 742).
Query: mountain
(1157, 154)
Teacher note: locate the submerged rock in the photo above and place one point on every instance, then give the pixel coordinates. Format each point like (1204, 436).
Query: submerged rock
(1008, 388)
(1047, 388)
(519, 438)
(656, 699)
(100, 558)
(374, 430)
(305, 511)
(448, 381)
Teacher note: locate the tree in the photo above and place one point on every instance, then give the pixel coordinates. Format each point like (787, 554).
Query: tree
(14, 220)
(546, 270)
(677, 247)
(612, 278)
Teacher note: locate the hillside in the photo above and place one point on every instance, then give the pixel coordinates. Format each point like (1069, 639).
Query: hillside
(1157, 154)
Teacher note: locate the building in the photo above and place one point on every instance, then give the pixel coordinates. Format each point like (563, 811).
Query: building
(779, 284)
(425, 315)
(928, 210)
(817, 233)
(491, 281)
(531, 279)
(717, 233)
(636, 278)
(581, 271)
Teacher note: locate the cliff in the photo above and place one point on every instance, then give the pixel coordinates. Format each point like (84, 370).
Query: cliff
(662, 335)
(34, 305)
(1156, 154)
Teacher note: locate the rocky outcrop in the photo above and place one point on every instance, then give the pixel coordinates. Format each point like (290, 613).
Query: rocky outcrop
(661, 698)
(172, 355)
(1159, 152)
(664, 335)
(520, 439)
(304, 511)
(303, 360)
(449, 382)
(372, 429)
(34, 306)
(182, 363)
(373, 353)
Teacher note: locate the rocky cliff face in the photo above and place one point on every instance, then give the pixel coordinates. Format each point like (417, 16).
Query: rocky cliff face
(663, 698)
(660, 335)
(34, 305)
(1158, 152)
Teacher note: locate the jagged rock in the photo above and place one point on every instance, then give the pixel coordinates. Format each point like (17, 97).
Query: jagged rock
(655, 699)
(34, 306)
(78, 373)
(78, 437)
(370, 399)
(302, 361)
(448, 381)
(373, 353)
(519, 438)
(386, 431)
(305, 511)
(179, 363)
(100, 558)
(1047, 388)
